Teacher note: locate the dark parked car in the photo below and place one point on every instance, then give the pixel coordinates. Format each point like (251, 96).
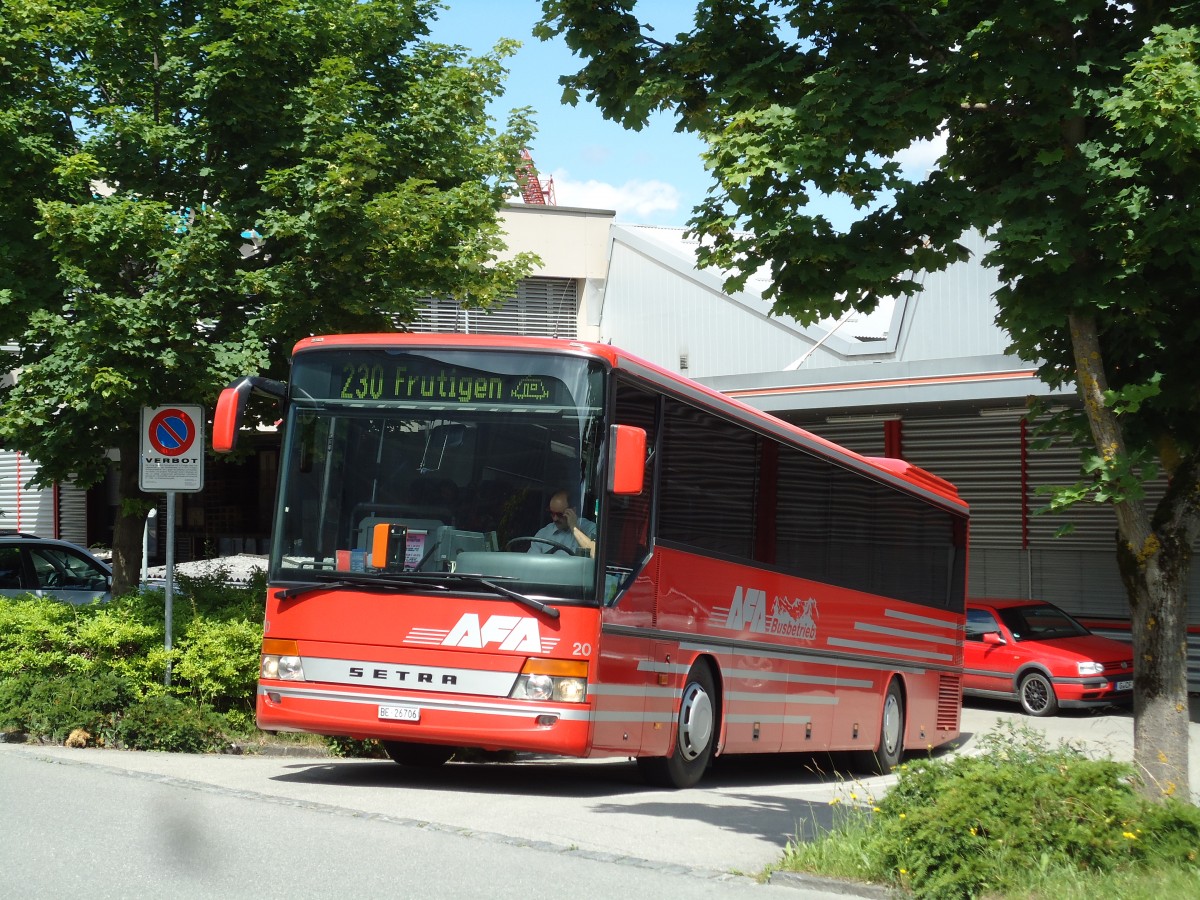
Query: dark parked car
(50, 568)
(1036, 654)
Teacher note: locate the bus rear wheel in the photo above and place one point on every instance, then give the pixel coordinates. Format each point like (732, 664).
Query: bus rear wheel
(886, 756)
(695, 735)
(425, 756)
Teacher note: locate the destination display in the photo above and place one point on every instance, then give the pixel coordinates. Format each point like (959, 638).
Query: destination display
(373, 375)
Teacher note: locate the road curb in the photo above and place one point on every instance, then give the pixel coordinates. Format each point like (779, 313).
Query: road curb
(807, 882)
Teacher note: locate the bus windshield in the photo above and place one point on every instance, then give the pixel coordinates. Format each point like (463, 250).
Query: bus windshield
(452, 461)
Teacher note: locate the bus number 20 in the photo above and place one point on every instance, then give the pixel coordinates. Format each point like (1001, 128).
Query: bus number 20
(579, 649)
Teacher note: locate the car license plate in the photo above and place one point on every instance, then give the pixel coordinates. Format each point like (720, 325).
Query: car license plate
(401, 713)
(1124, 685)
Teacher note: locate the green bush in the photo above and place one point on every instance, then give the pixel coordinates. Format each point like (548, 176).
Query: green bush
(53, 707)
(1013, 820)
(34, 634)
(167, 723)
(1020, 819)
(963, 826)
(218, 662)
(101, 666)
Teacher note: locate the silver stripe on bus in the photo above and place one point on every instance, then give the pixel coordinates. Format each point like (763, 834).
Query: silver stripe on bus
(634, 717)
(441, 703)
(886, 648)
(911, 635)
(828, 659)
(922, 620)
(649, 665)
(754, 697)
(632, 690)
(796, 679)
(791, 678)
(768, 720)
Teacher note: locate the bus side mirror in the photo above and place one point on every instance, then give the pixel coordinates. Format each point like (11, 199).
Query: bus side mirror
(626, 459)
(227, 418)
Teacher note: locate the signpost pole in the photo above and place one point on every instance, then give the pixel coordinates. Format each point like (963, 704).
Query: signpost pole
(170, 592)
(172, 460)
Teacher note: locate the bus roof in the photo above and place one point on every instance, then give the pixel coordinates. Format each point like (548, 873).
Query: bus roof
(898, 472)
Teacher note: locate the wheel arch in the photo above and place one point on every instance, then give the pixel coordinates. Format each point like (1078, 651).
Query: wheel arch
(1024, 670)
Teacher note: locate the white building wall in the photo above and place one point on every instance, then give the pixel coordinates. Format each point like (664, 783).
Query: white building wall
(955, 315)
(571, 243)
(657, 309)
(659, 305)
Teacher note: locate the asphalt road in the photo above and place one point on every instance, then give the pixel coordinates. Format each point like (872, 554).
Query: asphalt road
(118, 824)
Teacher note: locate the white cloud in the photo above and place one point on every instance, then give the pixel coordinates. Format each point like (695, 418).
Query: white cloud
(921, 156)
(634, 200)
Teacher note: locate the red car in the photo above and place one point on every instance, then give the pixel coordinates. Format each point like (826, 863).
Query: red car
(1036, 654)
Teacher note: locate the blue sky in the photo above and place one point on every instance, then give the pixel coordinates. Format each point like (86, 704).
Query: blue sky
(650, 177)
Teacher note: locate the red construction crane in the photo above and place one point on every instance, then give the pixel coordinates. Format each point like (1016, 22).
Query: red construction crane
(533, 189)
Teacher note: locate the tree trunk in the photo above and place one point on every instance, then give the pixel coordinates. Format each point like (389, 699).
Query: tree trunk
(1154, 556)
(129, 529)
(1158, 600)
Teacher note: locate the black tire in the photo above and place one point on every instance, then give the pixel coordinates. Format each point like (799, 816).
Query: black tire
(1037, 696)
(890, 750)
(696, 735)
(424, 756)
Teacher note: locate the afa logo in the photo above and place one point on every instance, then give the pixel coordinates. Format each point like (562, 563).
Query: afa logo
(790, 618)
(509, 632)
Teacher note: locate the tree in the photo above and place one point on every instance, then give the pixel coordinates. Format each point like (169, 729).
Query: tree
(1071, 140)
(190, 186)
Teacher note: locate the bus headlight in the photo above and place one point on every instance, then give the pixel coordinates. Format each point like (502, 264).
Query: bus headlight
(281, 660)
(557, 680)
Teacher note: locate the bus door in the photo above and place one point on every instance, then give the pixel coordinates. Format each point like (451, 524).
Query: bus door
(631, 664)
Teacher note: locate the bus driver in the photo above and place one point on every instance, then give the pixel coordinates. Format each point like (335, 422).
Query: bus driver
(566, 529)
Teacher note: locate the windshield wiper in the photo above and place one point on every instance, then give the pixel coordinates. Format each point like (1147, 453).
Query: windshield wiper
(429, 580)
(369, 582)
(551, 611)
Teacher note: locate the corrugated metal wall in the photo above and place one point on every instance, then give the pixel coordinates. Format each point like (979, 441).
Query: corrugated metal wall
(32, 509)
(542, 307)
(25, 509)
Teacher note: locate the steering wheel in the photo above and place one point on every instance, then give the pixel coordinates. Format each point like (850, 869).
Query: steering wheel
(541, 540)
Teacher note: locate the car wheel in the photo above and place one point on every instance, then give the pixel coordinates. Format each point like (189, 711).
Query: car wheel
(888, 754)
(695, 739)
(425, 756)
(1037, 695)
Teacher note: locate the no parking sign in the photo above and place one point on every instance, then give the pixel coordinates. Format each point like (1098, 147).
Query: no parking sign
(172, 457)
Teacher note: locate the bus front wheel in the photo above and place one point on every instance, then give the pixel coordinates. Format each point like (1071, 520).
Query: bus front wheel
(695, 735)
(886, 756)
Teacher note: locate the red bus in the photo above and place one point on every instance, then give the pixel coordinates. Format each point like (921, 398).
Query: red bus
(554, 546)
